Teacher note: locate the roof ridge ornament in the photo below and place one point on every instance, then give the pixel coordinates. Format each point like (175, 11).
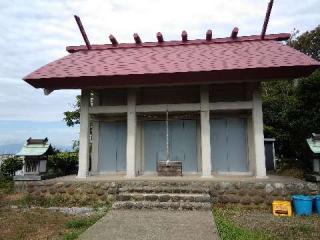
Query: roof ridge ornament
(266, 19)
(113, 40)
(209, 35)
(268, 37)
(37, 140)
(137, 39)
(83, 32)
(234, 32)
(184, 36)
(160, 37)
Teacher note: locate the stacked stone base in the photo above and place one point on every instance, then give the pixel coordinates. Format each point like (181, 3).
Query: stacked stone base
(172, 198)
(159, 194)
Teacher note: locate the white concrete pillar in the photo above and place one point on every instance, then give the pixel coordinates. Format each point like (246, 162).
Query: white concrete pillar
(84, 134)
(95, 138)
(258, 137)
(131, 133)
(205, 131)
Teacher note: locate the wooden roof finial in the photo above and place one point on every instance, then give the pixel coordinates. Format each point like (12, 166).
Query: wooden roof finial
(266, 19)
(234, 32)
(160, 37)
(113, 40)
(184, 36)
(83, 32)
(137, 39)
(209, 35)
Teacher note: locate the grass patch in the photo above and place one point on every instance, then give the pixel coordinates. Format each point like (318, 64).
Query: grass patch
(82, 223)
(239, 222)
(34, 224)
(78, 226)
(6, 186)
(230, 231)
(30, 200)
(71, 236)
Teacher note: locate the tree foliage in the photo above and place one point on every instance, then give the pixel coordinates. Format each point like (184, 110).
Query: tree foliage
(292, 108)
(73, 117)
(307, 42)
(62, 164)
(10, 165)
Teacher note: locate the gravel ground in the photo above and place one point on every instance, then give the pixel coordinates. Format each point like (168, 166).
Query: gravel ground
(83, 211)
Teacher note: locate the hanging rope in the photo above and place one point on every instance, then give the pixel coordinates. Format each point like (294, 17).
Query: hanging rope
(167, 136)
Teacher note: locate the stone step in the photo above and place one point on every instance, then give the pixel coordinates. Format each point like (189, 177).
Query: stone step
(164, 197)
(179, 206)
(164, 189)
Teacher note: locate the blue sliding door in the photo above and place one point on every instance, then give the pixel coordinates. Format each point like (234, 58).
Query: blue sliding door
(182, 143)
(154, 144)
(112, 146)
(229, 144)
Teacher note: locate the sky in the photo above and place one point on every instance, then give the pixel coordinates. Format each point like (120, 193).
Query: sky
(34, 33)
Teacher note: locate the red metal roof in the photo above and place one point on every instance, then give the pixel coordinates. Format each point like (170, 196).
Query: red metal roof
(175, 62)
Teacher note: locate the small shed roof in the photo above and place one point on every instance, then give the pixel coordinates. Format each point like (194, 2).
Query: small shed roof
(171, 62)
(35, 147)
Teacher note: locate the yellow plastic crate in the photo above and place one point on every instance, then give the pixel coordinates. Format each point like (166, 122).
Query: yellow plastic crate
(282, 208)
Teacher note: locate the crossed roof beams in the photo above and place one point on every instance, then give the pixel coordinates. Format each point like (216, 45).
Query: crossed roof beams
(184, 34)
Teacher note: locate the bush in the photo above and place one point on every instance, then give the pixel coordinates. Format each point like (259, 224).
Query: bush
(62, 164)
(10, 165)
(6, 185)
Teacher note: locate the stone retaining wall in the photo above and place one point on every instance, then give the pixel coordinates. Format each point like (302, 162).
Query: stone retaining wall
(245, 193)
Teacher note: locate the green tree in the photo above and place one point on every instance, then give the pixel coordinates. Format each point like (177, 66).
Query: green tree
(308, 42)
(292, 108)
(73, 117)
(10, 165)
(62, 164)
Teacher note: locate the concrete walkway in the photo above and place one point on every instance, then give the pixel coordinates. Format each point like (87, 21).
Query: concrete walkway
(153, 225)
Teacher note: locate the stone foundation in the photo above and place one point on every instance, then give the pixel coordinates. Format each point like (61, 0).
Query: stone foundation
(244, 193)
